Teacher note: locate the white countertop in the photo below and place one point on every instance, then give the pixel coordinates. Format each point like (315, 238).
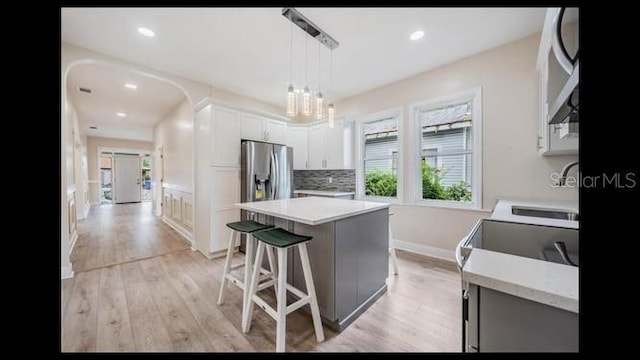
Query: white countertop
(542, 281)
(537, 280)
(324, 193)
(312, 210)
(502, 211)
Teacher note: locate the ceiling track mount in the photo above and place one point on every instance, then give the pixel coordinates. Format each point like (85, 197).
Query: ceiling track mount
(309, 27)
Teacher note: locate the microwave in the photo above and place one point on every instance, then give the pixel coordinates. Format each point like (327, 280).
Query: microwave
(565, 108)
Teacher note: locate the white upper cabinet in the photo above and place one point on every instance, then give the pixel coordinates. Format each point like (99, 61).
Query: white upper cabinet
(225, 140)
(317, 146)
(326, 146)
(276, 131)
(218, 136)
(335, 146)
(253, 127)
(554, 139)
(298, 138)
(259, 128)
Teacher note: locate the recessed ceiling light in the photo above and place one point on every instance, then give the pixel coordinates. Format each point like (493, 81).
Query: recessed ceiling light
(416, 35)
(121, 114)
(146, 32)
(131, 86)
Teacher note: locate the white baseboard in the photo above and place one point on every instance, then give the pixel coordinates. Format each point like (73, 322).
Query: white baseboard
(67, 273)
(431, 251)
(181, 230)
(94, 203)
(72, 241)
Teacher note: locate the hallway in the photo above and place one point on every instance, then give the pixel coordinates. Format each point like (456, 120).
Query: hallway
(116, 234)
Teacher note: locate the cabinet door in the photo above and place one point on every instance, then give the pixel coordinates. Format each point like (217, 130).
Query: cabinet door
(335, 146)
(275, 131)
(317, 146)
(225, 137)
(225, 191)
(253, 127)
(298, 139)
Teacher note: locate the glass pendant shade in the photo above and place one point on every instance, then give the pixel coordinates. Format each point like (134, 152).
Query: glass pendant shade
(319, 106)
(306, 102)
(291, 102)
(331, 113)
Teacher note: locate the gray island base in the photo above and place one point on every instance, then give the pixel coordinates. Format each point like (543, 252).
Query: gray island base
(348, 254)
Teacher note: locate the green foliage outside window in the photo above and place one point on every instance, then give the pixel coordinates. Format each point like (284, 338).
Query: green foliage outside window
(385, 183)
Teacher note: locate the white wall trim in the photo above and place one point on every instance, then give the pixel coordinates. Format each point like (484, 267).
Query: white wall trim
(175, 187)
(180, 229)
(431, 251)
(209, 100)
(67, 273)
(92, 181)
(94, 203)
(72, 241)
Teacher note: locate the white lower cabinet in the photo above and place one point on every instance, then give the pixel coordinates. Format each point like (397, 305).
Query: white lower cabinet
(225, 191)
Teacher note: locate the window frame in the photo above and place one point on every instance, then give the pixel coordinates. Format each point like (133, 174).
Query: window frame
(474, 95)
(360, 151)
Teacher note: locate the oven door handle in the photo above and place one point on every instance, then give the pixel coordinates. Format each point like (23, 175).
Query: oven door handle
(459, 259)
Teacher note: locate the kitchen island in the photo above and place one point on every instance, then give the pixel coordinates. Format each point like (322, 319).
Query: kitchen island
(348, 253)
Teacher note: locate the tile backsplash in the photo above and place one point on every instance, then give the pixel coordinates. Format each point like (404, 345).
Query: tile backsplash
(342, 180)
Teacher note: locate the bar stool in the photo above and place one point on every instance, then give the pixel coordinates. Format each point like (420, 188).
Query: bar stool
(247, 227)
(392, 250)
(282, 240)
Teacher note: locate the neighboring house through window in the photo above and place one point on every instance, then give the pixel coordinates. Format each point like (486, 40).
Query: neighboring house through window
(448, 170)
(378, 148)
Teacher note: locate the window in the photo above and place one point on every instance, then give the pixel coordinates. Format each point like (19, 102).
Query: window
(448, 165)
(379, 146)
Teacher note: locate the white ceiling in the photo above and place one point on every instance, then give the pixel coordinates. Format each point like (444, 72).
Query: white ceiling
(246, 50)
(145, 106)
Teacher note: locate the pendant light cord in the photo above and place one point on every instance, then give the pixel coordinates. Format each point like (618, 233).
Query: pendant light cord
(306, 67)
(319, 86)
(291, 53)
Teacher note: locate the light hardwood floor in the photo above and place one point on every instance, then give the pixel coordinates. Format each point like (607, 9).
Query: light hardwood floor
(166, 301)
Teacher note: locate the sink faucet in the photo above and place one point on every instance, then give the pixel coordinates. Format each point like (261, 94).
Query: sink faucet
(563, 173)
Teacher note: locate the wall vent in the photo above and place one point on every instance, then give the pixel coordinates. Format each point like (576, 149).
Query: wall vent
(93, 127)
(84, 89)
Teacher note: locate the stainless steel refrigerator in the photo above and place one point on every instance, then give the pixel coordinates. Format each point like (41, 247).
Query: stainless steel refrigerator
(267, 171)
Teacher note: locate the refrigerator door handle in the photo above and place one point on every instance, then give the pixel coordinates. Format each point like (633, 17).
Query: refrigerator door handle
(274, 176)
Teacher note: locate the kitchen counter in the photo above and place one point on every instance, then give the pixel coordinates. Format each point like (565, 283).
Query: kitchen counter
(541, 281)
(502, 211)
(324, 193)
(312, 210)
(537, 280)
(349, 252)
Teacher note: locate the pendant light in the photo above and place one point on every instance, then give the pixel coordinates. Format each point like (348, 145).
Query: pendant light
(306, 95)
(291, 95)
(319, 99)
(331, 110)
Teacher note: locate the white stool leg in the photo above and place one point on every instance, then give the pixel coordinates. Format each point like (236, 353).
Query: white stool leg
(311, 291)
(248, 256)
(281, 325)
(227, 267)
(392, 252)
(253, 288)
(272, 266)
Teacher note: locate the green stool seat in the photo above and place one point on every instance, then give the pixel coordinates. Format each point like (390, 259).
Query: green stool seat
(248, 226)
(281, 238)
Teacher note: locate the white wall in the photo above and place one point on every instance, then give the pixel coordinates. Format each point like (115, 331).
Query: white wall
(175, 135)
(512, 167)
